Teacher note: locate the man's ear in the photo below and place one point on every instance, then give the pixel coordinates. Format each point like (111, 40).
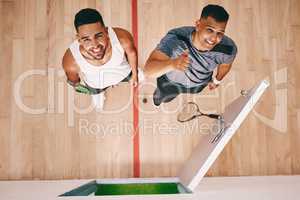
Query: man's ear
(78, 38)
(197, 24)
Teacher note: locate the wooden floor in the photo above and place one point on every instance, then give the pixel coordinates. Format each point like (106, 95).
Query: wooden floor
(47, 138)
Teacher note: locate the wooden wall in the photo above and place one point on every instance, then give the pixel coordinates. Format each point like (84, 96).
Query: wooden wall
(58, 142)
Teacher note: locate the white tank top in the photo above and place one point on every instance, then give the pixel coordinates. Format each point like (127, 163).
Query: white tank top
(111, 73)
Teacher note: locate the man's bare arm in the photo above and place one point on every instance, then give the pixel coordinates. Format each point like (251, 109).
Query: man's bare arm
(70, 67)
(159, 63)
(222, 70)
(127, 43)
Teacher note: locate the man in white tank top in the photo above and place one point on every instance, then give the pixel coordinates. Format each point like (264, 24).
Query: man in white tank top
(99, 57)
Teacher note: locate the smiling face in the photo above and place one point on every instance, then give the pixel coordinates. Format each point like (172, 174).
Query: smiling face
(208, 33)
(94, 39)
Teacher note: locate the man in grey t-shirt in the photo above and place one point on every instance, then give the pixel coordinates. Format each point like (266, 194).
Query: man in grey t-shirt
(184, 60)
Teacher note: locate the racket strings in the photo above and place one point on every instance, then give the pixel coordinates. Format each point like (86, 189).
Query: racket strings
(189, 111)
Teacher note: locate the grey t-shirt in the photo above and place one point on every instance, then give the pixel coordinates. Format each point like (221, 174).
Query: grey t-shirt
(202, 64)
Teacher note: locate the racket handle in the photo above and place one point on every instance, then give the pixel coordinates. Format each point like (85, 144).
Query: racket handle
(214, 116)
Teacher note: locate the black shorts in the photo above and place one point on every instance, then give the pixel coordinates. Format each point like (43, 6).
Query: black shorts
(168, 90)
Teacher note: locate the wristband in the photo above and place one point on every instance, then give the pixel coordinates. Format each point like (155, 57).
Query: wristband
(72, 83)
(216, 81)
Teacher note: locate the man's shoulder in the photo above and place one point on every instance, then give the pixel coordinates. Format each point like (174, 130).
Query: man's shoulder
(226, 46)
(174, 41)
(178, 35)
(68, 61)
(226, 40)
(124, 36)
(183, 31)
(121, 33)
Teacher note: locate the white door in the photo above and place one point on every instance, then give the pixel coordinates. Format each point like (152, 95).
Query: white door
(211, 145)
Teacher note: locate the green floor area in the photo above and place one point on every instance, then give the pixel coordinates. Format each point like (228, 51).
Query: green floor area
(136, 189)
